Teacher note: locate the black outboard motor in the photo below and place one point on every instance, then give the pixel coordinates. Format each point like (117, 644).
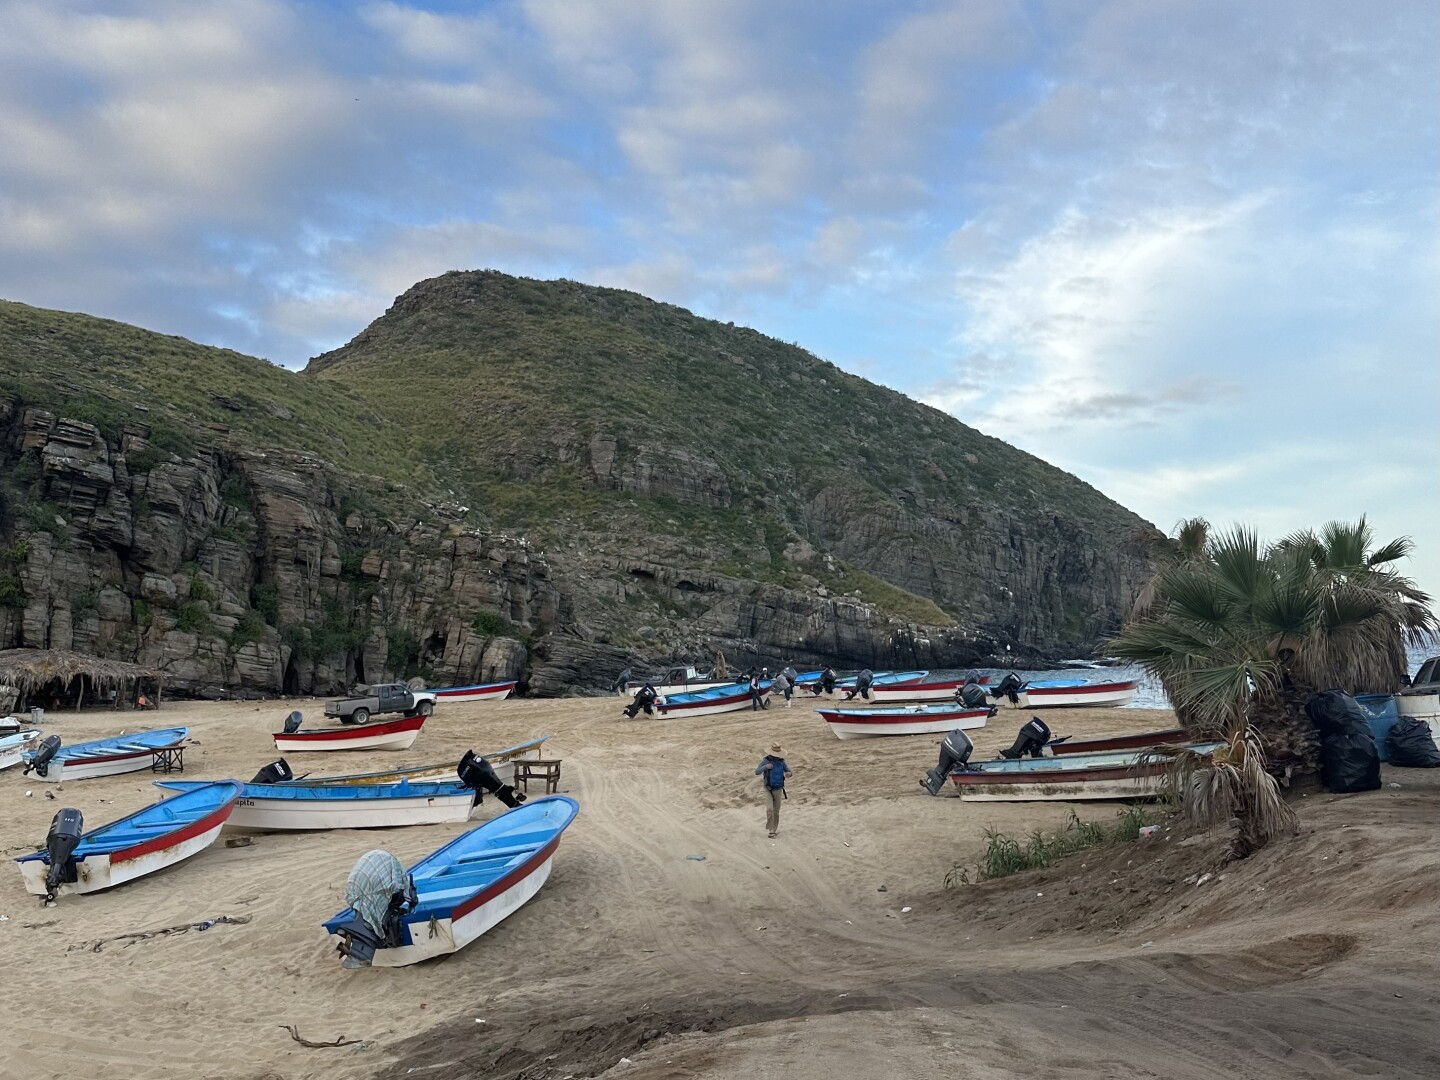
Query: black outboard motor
(44, 753)
(955, 750)
(274, 773)
(293, 722)
(65, 832)
(479, 776)
(381, 877)
(645, 698)
(1034, 736)
(1010, 687)
(862, 686)
(972, 695)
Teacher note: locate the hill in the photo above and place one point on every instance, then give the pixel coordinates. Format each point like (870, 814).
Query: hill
(502, 476)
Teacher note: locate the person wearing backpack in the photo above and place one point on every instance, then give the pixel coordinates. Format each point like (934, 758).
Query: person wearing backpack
(772, 772)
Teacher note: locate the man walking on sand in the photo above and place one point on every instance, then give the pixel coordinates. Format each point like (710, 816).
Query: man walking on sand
(772, 772)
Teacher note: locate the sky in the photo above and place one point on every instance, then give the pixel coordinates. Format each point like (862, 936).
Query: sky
(1186, 251)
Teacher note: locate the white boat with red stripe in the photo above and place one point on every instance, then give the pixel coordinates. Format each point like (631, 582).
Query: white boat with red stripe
(494, 691)
(1067, 693)
(925, 688)
(732, 697)
(470, 884)
(903, 720)
(101, 757)
(161, 835)
(382, 735)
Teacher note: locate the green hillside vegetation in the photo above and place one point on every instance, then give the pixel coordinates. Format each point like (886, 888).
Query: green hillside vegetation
(496, 392)
(109, 373)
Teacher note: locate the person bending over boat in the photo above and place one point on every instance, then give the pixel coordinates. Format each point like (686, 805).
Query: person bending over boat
(783, 684)
(621, 681)
(645, 698)
(772, 772)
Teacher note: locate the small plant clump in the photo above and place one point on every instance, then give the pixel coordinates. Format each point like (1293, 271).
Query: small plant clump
(1007, 855)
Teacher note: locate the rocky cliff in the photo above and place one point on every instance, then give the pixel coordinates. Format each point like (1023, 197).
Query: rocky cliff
(541, 494)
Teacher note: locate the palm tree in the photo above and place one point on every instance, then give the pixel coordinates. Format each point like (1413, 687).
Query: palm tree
(1241, 634)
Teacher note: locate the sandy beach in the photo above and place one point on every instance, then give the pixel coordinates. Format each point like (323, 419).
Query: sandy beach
(792, 956)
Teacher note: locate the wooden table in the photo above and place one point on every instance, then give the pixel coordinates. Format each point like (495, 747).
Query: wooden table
(547, 769)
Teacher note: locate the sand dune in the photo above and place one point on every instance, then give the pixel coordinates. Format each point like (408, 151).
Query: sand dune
(765, 956)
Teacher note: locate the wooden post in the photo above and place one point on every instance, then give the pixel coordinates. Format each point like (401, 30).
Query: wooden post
(80, 698)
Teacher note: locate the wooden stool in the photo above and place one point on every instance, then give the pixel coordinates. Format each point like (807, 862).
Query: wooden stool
(168, 759)
(547, 769)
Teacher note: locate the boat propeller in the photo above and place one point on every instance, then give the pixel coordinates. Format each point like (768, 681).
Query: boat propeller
(65, 832)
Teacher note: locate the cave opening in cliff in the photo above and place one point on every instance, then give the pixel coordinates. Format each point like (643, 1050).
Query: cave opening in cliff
(290, 683)
(359, 661)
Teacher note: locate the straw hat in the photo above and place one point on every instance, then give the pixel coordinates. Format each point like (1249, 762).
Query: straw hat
(775, 749)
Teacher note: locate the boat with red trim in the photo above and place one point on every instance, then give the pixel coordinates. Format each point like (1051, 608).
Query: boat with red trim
(381, 735)
(904, 720)
(1118, 742)
(1064, 693)
(494, 691)
(53, 762)
(452, 896)
(161, 835)
(731, 697)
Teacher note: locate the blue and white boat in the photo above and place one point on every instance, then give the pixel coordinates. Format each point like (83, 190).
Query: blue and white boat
(718, 699)
(15, 746)
(165, 833)
(102, 757)
(454, 895)
(1119, 774)
(294, 807)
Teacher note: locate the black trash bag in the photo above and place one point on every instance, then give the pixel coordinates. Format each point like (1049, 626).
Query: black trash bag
(1349, 758)
(1410, 744)
(1334, 711)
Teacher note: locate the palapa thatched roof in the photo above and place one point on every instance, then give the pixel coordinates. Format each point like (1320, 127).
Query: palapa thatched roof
(31, 669)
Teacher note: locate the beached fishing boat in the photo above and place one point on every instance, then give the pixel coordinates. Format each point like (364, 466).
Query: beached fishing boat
(54, 762)
(1079, 777)
(1117, 742)
(13, 748)
(165, 833)
(502, 761)
(494, 691)
(927, 687)
(454, 895)
(381, 735)
(298, 806)
(731, 697)
(1056, 693)
(902, 720)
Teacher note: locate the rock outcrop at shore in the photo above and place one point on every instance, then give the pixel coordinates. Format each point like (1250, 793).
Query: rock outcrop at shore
(545, 520)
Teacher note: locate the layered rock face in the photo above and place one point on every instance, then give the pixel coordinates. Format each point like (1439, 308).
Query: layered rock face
(232, 570)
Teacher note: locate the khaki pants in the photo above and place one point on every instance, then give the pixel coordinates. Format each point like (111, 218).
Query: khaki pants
(772, 809)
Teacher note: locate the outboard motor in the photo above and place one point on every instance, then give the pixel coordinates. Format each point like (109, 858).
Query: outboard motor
(479, 775)
(274, 773)
(645, 698)
(40, 761)
(1010, 687)
(65, 832)
(955, 751)
(381, 893)
(1034, 736)
(293, 722)
(972, 695)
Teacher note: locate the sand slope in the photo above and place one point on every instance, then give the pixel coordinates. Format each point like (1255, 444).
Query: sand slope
(786, 951)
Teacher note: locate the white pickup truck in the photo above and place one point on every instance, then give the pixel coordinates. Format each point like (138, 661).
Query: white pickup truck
(678, 680)
(382, 698)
